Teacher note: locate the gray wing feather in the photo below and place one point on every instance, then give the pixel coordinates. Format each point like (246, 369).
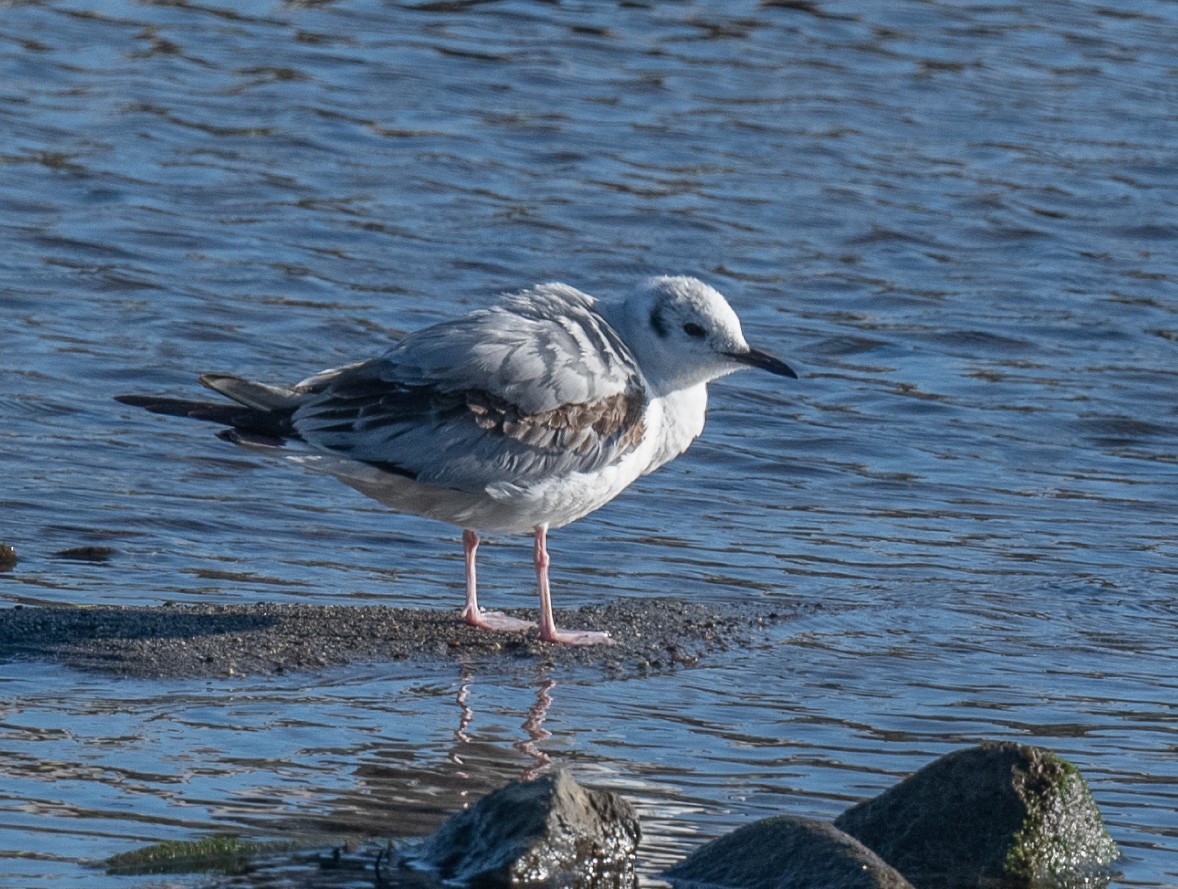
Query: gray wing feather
(536, 386)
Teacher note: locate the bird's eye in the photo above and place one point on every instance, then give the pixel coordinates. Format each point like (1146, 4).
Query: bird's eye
(694, 330)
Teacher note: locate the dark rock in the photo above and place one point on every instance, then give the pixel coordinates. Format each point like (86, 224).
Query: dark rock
(785, 853)
(8, 558)
(86, 553)
(1000, 814)
(547, 832)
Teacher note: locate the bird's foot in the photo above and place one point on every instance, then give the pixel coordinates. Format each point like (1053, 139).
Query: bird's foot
(496, 620)
(578, 637)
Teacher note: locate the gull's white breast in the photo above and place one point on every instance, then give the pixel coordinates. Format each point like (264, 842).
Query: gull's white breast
(671, 423)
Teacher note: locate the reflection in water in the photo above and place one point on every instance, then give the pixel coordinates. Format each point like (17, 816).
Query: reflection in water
(534, 726)
(467, 716)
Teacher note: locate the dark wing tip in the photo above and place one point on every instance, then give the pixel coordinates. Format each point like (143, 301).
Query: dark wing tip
(175, 407)
(244, 420)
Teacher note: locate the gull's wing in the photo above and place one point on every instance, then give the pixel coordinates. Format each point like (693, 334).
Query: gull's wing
(537, 386)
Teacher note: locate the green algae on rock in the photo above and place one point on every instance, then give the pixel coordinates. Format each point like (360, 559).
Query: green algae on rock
(1000, 814)
(221, 853)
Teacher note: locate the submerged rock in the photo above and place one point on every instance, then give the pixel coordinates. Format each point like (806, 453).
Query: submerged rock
(1001, 814)
(785, 853)
(547, 832)
(87, 553)
(223, 853)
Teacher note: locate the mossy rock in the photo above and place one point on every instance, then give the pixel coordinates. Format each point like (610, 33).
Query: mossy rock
(220, 853)
(998, 815)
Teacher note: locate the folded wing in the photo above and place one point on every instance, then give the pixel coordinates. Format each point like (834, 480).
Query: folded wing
(536, 387)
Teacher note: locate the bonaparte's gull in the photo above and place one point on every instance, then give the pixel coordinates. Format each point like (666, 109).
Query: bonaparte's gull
(516, 418)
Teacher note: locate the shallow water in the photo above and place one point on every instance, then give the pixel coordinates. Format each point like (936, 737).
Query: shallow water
(957, 220)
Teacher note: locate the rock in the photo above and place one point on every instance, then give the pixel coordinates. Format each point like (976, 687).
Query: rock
(1001, 814)
(547, 832)
(785, 853)
(87, 553)
(223, 853)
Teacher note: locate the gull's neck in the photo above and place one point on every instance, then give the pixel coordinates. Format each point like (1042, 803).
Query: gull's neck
(660, 369)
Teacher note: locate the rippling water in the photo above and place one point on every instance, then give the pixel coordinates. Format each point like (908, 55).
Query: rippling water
(958, 220)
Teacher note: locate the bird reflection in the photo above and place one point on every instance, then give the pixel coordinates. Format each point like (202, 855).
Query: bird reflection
(533, 725)
(467, 716)
(406, 790)
(537, 734)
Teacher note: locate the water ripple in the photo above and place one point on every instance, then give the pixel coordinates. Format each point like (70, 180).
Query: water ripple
(956, 220)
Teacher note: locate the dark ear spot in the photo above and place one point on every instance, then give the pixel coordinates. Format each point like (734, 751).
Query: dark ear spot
(659, 324)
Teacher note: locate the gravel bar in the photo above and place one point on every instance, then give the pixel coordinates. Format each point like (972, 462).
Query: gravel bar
(194, 640)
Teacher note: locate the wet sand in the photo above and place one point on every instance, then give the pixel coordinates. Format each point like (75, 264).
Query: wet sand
(225, 640)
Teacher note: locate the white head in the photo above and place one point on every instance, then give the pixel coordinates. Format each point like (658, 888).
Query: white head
(684, 333)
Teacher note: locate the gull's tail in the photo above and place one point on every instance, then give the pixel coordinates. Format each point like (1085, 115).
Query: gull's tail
(262, 415)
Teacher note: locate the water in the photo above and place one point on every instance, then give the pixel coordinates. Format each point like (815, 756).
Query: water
(957, 220)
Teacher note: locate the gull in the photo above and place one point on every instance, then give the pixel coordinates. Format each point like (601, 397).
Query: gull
(516, 418)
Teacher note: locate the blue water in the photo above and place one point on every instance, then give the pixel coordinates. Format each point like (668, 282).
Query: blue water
(958, 221)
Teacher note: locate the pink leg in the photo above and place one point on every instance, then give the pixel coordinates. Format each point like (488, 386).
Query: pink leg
(548, 631)
(470, 546)
(487, 620)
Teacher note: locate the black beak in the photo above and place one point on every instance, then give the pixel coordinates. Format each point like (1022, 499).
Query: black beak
(757, 358)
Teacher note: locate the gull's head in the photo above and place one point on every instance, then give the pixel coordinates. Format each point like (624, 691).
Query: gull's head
(684, 333)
